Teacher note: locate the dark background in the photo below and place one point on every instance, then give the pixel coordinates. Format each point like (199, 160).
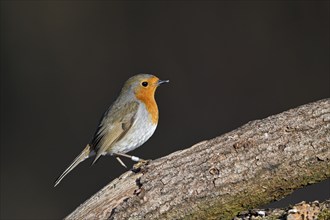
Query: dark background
(64, 62)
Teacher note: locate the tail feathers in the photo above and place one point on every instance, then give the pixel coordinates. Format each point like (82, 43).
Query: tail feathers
(97, 157)
(80, 158)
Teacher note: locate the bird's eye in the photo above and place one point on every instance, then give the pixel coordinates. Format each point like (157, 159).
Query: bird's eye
(145, 84)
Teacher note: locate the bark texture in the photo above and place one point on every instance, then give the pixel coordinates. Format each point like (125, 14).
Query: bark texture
(260, 162)
(301, 211)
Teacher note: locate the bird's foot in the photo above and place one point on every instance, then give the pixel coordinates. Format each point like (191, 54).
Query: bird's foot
(137, 167)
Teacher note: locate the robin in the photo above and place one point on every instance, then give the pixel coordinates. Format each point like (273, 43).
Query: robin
(127, 124)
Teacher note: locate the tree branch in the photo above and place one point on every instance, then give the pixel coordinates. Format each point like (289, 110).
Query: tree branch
(260, 162)
(301, 211)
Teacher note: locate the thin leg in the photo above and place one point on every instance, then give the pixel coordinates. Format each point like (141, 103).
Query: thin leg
(137, 166)
(134, 158)
(121, 162)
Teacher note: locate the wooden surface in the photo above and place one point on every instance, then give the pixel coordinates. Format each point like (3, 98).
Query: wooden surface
(253, 165)
(301, 211)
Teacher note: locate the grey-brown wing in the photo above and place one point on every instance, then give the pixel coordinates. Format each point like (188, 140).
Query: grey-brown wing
(115, 124)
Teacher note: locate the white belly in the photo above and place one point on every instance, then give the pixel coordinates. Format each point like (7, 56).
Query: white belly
(138, 134)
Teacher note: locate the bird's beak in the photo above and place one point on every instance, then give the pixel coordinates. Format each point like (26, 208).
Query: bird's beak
(162, 81)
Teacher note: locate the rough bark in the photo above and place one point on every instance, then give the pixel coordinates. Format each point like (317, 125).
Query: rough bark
(260, 162)
(301, 211)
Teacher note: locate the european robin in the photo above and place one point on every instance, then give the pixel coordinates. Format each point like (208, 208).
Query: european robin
(127, 124)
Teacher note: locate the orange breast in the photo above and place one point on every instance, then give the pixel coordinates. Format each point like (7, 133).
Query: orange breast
(147, 96)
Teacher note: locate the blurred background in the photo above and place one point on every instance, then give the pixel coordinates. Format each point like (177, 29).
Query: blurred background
(64, 62)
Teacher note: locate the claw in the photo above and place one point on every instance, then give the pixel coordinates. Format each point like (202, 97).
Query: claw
(140, 164)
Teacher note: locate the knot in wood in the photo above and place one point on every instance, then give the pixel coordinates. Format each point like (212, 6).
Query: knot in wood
(214, 171)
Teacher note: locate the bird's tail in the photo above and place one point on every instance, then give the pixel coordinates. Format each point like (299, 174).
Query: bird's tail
(80, 158)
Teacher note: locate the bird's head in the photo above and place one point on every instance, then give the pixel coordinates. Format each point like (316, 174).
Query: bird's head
(143, 85)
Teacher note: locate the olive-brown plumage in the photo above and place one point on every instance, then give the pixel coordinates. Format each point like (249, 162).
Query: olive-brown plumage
(128, 123)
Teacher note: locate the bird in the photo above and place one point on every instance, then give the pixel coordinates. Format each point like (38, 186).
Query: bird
(127, 124)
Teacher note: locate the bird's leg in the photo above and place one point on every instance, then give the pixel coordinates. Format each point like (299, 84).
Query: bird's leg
(121, 162)
(134, 158)
(136, 166)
